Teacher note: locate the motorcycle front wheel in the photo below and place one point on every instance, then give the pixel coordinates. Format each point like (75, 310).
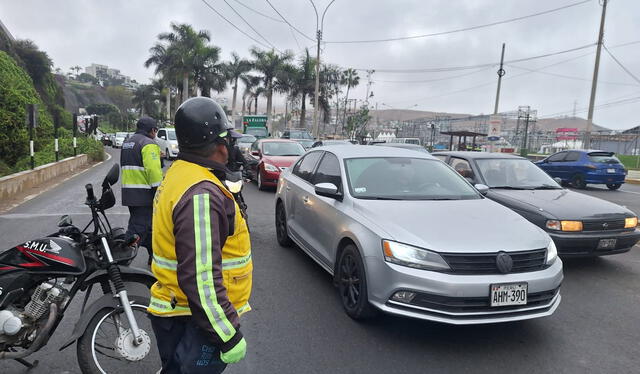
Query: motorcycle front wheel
(107, 345)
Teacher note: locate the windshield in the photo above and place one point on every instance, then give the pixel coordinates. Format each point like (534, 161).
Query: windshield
(171, 134)
(404, 178)
(247, 139)
(257, 131)
(514, 173)
(603, 158)
(282, 149)
(300, 135)
(305, 143)
(121, 135)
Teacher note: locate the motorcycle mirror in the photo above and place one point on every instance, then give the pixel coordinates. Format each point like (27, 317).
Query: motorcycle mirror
(65, 221)
(112, 176)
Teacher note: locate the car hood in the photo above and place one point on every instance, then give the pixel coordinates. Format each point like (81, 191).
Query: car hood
(562, 204)
(280, 161)
(456, 226)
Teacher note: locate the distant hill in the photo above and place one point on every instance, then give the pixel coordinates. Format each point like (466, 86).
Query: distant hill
(80, 95)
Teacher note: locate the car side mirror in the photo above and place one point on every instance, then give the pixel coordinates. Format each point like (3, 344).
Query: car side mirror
(558, 180)
(328, 190)
(482, 188)
(163, 137)
(255, 153)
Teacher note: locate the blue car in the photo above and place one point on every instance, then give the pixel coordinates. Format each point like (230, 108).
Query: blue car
(580, 167)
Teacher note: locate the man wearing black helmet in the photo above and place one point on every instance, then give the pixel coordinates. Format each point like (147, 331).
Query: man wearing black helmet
(201, 250)
(141, 176)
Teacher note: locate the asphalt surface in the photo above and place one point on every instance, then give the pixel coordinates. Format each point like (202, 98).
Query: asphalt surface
(297, 324)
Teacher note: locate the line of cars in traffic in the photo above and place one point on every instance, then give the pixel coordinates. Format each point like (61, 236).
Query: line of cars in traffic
(453, 237)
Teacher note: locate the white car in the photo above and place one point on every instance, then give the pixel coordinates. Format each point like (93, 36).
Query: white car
(168, 143)
(119, 139)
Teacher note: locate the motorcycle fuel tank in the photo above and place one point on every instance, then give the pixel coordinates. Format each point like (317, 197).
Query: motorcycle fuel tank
(52, 255)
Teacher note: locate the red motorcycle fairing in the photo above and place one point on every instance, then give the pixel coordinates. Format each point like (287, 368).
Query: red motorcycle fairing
(52, 255)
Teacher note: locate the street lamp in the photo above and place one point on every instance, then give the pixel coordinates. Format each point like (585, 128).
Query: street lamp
(319, 28)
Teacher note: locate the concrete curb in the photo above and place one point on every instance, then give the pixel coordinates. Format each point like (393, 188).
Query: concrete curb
(632, 181)
(54, 185)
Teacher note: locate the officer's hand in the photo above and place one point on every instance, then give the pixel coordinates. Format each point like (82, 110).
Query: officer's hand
(235, 354)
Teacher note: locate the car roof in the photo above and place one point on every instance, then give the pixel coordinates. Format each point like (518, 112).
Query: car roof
(398, 145)
(478, 155)
(357, 151)
(278, 140)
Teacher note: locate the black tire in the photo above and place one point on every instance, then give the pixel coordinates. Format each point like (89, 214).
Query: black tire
(282, 234)
(614, 186)
(578, 181)
(85, 352)
(261, 187)
(168, 155)
(352, 284)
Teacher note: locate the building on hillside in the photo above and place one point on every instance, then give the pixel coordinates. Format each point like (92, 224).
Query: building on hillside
(103, 71)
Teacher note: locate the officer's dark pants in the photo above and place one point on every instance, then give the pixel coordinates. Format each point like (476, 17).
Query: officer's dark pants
(184, 348)
(140, 223)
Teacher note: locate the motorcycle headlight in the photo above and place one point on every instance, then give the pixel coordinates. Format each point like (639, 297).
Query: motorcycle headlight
(269, 167)
(406, 255)
(552, 253)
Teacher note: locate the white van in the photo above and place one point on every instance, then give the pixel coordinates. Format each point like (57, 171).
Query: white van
(415, 141)
(168, 143)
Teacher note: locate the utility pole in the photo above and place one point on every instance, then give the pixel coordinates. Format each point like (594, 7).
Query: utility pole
(319, 28)
(501, 72)
(594, 83)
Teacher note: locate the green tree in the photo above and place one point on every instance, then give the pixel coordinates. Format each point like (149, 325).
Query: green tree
(165, 69)
(122, 98)
(304, 83)
(101, 109)
(252, 90)
(87, 78)
(270, 64)
(208, 72)
(234, 70)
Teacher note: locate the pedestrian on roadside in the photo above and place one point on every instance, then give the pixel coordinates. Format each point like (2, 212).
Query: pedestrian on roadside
(141, 176)
(201, 250)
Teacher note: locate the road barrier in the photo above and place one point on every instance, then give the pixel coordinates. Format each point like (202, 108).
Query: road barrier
(18, 182)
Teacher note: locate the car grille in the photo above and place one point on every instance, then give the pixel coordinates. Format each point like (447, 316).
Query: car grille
(603, 225)
(478, 304)
(485, 263)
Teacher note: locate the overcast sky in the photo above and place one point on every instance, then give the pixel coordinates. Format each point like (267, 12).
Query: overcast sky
(119, 33)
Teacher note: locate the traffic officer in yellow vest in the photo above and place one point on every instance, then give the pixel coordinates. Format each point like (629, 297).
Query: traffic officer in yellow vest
(141, 176)
(201, 250)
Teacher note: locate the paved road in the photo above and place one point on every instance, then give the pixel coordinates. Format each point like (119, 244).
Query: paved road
(298, 326)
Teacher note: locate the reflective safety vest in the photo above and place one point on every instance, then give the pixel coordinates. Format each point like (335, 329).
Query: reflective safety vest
(167, 298)
(141, 170)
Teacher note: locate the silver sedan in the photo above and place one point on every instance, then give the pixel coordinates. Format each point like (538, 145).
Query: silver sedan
(401, 232)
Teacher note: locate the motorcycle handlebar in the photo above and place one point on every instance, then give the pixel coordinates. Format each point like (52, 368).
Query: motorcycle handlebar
(90, 195)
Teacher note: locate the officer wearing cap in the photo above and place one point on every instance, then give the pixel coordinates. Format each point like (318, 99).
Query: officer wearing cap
(201, 250)
(141, 176)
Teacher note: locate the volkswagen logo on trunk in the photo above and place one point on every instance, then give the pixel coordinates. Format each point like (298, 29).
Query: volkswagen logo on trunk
(504, 262)
(605, 226)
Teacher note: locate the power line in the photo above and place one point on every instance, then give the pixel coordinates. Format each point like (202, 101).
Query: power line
(572, 77)
(460, 30)
(248, 24)
(234, 26)
(258, 12)
(625, 99)
(435, 79)
(457, 68)
(288, 23)
(620, 64)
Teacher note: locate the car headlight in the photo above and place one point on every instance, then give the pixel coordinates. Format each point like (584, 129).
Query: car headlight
(269, 167)
(406, 255)
(174, 146)
(564, 225)
(552, 253)
(630, 223)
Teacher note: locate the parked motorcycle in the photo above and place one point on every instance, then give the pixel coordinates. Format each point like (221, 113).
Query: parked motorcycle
(40, 278)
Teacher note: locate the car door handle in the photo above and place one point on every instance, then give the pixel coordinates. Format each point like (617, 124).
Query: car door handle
(305, 199)
(288, 188)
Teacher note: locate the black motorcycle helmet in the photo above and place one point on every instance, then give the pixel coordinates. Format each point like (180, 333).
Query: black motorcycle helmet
(199, 122)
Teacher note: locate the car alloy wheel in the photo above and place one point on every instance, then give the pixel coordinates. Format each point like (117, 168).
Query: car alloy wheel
(352, 284)
(578, 181)
(282, 233)
(614, 186)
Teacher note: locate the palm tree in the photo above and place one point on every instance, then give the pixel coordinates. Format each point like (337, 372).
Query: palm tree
(350, 79)
(182, 49)
(208, 73)
(250, 82)
(165, 68)
(144, 99)
(305, 83)
(235, 69)
(163, 90)
(269, 63)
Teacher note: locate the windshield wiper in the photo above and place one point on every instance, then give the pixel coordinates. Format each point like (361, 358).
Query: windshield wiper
(379, 198)
(547, 187)
(512, 188)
